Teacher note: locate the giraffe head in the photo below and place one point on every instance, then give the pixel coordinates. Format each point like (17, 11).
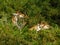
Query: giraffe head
(44, 25)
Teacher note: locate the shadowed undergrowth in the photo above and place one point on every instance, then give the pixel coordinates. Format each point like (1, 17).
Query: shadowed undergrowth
(25, 37)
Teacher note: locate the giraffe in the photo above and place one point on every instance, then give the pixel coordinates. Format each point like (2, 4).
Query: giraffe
(40, 26)
(18, 19)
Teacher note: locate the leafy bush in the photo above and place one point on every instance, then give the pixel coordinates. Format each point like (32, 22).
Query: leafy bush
(37, 10)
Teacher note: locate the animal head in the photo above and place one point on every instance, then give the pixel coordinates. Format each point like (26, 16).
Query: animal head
(21, 15)
(44, 25)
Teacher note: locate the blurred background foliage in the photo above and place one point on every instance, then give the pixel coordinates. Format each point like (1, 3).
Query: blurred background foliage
(37, 10)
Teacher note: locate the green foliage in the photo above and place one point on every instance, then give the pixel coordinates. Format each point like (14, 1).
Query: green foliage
(37, 10)
(25, 37)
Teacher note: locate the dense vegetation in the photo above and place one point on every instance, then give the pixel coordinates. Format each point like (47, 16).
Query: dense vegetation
(37, 10)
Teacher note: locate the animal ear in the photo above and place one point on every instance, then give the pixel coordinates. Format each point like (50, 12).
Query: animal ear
(27, 16)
